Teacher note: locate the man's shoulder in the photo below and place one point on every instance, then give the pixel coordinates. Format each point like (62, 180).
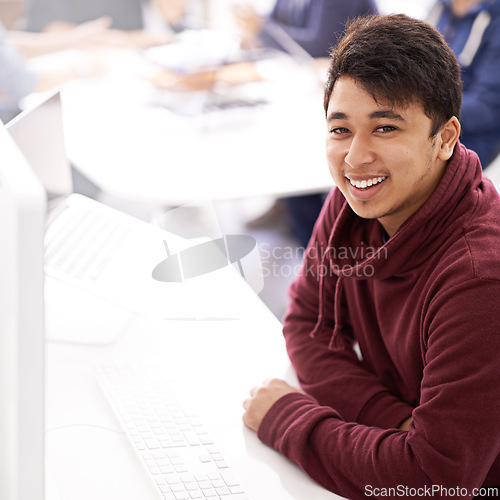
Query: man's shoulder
(474, 249)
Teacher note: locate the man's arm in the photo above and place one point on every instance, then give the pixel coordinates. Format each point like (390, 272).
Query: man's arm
(263, 398)
(453, 439)
(74, 37)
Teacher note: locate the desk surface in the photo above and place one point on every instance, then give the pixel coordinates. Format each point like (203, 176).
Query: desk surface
(217, 362)
(120, 135)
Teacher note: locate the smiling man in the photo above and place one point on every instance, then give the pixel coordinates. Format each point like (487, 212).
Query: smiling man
(396, 349)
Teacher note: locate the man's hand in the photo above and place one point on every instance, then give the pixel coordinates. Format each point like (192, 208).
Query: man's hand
(262, 398)
(406, 424)
(249, 24)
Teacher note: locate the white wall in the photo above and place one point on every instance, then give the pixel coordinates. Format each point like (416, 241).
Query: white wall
(414, 8)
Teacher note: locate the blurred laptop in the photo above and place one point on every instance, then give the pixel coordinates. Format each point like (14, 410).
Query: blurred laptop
(98, 260)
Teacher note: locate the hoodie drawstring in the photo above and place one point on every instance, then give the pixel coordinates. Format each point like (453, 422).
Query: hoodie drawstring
(337, 343)
(322, 299)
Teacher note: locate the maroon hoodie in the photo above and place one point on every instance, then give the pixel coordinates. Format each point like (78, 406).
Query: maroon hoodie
(424, 309)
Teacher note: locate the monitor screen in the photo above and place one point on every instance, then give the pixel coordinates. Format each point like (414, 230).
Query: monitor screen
(39, 134)
(22, 216)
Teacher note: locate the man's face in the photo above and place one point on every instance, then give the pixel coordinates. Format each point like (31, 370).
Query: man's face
(381, 157)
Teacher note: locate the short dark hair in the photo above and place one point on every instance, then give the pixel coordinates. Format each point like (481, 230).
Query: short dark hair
(400, 60)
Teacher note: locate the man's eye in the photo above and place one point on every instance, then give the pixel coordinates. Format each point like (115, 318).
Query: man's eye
(386, 128)
(339, 130)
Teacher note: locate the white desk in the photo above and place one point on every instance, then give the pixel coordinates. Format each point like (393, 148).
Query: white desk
(215, 361)
(132, 149)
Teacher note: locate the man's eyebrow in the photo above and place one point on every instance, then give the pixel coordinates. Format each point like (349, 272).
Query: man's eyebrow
(338, 115)
(387, 113)
(383, 113)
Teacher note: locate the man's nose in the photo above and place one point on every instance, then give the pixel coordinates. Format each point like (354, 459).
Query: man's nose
(360, 152)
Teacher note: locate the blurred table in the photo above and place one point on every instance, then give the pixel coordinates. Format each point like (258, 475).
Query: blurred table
(168, 148)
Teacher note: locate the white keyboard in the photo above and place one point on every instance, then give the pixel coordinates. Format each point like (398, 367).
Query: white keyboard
(82, 239)
(178, 453)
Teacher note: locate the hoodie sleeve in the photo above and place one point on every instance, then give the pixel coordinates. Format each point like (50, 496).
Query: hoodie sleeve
(335, 378)
(453, 441)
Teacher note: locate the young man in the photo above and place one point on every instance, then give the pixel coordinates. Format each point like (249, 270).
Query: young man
(403, 263)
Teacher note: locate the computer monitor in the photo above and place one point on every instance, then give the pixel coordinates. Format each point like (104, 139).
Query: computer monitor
(22, 217)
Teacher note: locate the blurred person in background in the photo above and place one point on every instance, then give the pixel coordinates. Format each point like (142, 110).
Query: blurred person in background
(17, 80)
(315, 25)
(53, 26)
(472, 30)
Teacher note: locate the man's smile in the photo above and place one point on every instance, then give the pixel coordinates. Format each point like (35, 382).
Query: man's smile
(365, 183)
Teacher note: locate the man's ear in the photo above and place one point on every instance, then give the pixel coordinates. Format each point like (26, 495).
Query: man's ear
(448, 135)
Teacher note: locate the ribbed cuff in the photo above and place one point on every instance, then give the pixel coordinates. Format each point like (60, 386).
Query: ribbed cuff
(282, 415)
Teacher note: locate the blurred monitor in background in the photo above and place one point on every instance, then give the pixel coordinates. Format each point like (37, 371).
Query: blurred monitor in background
(127, 15)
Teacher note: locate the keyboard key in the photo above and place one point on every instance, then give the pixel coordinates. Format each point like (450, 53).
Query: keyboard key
(166, 469)
(177, 487)
(205, 439)
(218, 483)
(204, 485)
(173, 480)
(152, 444)
(236, 489)
(229, 478)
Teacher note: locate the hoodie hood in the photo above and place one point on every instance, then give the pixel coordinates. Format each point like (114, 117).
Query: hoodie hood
(356, 249)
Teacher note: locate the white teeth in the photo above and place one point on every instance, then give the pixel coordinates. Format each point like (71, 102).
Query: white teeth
(368, 183)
